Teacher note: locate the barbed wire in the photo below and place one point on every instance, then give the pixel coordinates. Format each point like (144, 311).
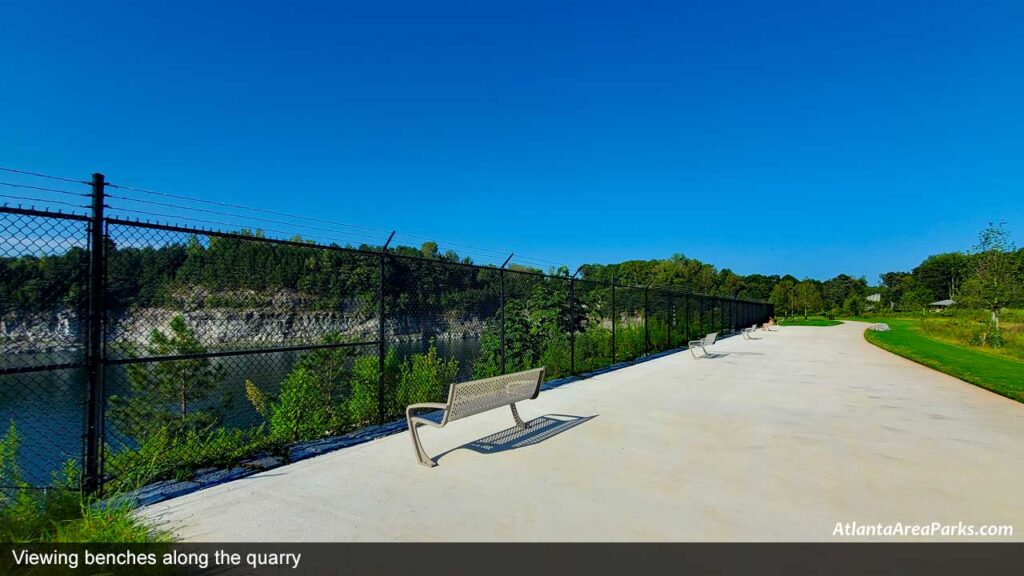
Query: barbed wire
(43, 189)
(230, 227)
(41, 175)
(219, 213)
(244, 207)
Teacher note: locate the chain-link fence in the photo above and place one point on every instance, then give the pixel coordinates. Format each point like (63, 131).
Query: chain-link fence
(43, 274)
(134, 352)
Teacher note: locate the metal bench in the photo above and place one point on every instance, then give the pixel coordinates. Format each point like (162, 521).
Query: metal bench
(748, 333)
(703, 343)
(469, 398)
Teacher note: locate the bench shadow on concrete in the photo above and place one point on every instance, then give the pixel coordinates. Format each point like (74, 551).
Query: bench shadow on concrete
(717, 355)
(537, 430)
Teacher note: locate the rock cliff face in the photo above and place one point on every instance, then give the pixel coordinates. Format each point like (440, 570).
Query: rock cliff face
(40, 333)
(64, 330)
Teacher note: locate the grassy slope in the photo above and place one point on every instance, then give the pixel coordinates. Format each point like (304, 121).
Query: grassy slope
(996, 373)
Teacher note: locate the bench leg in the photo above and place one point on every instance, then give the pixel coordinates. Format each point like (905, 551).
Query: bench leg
(515, 414)
(421, 454)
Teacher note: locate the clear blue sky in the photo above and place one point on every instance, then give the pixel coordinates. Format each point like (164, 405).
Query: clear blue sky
(808, 138)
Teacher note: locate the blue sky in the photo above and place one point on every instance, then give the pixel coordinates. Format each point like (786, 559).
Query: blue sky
(808, 138)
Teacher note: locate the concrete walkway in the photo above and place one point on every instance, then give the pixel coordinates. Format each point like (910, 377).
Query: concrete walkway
(778, 438)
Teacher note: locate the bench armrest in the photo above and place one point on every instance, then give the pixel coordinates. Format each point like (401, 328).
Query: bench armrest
(425, 406)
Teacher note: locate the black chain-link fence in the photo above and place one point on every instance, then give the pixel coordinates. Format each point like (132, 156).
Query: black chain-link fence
(43, 273)
(215, 347)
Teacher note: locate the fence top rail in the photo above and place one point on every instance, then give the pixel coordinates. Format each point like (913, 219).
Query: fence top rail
(44, 213)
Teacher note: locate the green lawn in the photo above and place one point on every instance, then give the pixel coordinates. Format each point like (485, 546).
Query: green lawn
(999, 374)
(810, 321)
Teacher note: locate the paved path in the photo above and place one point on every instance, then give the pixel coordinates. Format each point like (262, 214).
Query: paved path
(776, 439)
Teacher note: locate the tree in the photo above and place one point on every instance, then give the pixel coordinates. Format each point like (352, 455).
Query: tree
(996, 280)
(782, 296)
(429, 249)
(916, 297)
(806, 297)
(328, 370)
(853, 305)
(895, 285)
(836, 291)
(758, 286)
(164, 393)
(942, 274)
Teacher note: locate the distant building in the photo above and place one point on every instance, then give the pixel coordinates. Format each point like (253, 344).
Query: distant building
(873, 300)
(941, 305)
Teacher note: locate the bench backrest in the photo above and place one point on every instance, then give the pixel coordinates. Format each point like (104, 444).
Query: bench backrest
(710, 338)
(476, 396)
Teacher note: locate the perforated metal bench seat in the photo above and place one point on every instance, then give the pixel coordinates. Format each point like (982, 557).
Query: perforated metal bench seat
(703, 343)
(749, 332)
(473, 397)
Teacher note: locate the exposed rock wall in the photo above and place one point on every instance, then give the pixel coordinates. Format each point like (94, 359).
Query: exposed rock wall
(64, 330)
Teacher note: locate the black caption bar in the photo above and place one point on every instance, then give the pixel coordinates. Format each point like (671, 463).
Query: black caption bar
(510, 559)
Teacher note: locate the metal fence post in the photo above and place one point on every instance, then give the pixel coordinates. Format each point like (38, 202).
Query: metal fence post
(711, 320)
(614, 314)
(671, 321)
(647, 336)
(572, 327)
(721, 315)
(91, 479)
(501, 298)
(381, 384)
(686, 317)
(700, 329)
(735, 313)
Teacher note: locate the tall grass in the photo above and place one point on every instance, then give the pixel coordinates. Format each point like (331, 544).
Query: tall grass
(62, 514)
(973, 329)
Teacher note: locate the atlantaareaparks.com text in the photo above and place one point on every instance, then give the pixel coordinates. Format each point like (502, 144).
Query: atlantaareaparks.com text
(931, 529)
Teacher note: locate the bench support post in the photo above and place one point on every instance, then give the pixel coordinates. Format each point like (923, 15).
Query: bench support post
(421, 454)
(515, 415)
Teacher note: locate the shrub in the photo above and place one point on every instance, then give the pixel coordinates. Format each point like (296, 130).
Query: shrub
(363, 403)
(425, 377)
(593, 349)
(988, 335)
(298, 412)
(555, 356)
(629, 341)
(170, 455)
